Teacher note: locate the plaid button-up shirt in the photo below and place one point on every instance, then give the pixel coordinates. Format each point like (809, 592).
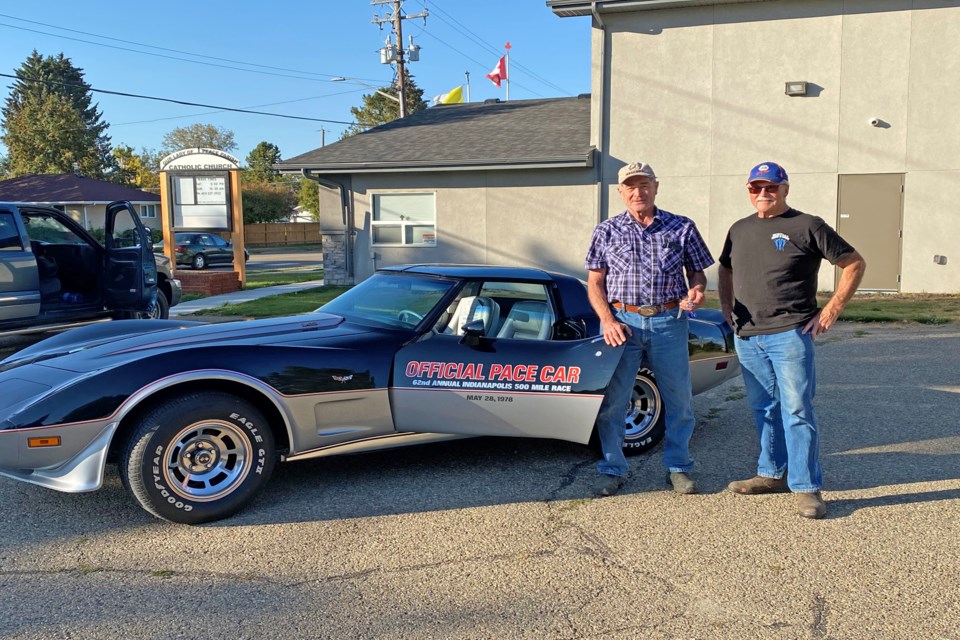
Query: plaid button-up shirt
(646, 265)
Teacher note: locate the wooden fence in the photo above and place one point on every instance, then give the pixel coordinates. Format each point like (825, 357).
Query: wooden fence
(278, 234)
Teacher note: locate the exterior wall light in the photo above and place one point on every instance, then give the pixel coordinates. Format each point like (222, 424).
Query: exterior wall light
(798, 88)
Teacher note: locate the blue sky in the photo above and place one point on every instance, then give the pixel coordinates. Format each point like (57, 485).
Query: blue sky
(280, 58)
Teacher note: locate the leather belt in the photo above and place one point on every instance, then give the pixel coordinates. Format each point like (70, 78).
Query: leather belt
(646, 309)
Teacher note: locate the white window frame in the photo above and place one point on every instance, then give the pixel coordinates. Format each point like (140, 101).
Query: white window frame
(151, 208)
(422, 218)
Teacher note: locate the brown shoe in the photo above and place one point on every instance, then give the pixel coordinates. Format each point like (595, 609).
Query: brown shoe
(811, 505)
(759, 484)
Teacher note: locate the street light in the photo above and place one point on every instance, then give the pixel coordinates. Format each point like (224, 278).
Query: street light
(368, 86)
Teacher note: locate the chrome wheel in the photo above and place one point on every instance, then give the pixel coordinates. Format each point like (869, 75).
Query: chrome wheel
(645, 422)
(207, 460)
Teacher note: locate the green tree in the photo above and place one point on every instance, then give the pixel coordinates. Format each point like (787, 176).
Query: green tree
(50, 124)
(138, 170)
(198, 135)
(378, 109)
(266, 202)
(260, 163)
(308, 197)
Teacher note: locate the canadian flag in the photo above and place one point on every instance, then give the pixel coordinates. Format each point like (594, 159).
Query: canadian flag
(499, 72)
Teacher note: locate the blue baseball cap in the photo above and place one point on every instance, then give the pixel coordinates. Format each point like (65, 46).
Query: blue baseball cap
(769, 172)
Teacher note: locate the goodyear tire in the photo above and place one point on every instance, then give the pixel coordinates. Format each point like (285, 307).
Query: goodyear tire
(646, 421)
(198, 458)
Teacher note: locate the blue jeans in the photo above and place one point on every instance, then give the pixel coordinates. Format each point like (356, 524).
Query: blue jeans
(663, 339)
(780, 378)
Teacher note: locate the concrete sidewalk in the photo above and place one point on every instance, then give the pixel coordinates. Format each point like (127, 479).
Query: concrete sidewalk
(212, 302)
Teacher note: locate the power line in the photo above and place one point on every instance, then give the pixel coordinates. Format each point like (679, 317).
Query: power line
(463, 29)
(325, 76)
(183, 102)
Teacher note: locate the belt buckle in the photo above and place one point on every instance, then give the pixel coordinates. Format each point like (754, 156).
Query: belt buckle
(647, 310)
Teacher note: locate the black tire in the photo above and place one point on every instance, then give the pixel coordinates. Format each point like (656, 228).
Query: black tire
(646, 420)
(161, 310)
(199, 261)
(198, 458)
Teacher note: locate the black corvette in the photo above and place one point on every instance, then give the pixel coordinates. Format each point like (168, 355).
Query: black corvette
(196, 415)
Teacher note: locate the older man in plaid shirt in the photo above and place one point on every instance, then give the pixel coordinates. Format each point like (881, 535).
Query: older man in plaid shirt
(636, 265)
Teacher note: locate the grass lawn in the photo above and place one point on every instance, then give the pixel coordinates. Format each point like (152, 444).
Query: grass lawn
(875, 307)
(257, 279)
(279, 305)
(921, 308)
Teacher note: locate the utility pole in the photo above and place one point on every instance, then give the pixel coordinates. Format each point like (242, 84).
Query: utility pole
(394, 54)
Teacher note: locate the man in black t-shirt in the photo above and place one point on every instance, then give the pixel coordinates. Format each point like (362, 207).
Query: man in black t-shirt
(768, 286)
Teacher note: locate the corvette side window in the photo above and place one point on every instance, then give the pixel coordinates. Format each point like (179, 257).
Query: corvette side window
(524, 310)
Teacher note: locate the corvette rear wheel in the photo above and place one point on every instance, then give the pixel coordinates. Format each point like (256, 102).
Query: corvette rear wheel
(646, 421)
(198, 458)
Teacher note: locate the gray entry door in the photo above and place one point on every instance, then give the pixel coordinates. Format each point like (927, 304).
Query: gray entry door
(870, 209)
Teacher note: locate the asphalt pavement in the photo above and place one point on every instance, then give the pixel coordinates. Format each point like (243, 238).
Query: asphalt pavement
(501, 538)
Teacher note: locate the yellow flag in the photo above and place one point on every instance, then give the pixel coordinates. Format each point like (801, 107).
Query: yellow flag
(454, 96)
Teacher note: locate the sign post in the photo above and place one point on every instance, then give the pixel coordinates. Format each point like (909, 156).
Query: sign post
(200, 191)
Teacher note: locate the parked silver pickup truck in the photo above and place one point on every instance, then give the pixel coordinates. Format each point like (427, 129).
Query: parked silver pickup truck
(54, 274)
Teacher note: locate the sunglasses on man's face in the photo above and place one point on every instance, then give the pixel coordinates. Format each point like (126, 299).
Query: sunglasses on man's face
(769, 188)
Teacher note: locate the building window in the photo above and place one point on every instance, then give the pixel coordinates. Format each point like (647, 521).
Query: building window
(148, 211)
(404, 220)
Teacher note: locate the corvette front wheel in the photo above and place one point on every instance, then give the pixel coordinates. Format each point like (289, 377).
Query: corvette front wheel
(198, 458)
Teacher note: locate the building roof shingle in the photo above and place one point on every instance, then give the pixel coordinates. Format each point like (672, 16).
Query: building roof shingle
(68, 188)
(517, 133)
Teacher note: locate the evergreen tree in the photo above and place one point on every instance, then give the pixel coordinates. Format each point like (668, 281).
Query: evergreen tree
(260, 162)
(50, 124)
(378, 109)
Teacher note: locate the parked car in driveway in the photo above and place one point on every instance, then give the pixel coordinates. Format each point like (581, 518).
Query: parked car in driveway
(196, 415)
(54, 274)
(201, 249)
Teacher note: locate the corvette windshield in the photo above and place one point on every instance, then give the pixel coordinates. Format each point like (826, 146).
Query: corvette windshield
(392, 300)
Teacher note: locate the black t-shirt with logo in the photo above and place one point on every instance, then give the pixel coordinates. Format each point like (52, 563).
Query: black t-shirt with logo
(775, 264)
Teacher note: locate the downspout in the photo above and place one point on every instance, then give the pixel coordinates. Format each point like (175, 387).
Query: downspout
(346, 210)
(601, 109)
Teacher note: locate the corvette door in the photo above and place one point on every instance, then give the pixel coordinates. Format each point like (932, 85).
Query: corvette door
(130, 271)
(501, 386)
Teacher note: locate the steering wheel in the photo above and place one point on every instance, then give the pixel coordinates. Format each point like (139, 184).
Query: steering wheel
(409, 318)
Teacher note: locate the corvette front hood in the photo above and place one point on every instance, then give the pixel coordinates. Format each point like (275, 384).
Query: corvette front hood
(84, 350)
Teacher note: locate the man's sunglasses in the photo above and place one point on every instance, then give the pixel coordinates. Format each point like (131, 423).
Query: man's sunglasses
(770, 188)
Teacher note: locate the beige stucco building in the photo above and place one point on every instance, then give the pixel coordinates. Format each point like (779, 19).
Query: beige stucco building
(697, 88)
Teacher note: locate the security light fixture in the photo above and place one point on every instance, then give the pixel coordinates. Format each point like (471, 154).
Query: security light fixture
(797, 88)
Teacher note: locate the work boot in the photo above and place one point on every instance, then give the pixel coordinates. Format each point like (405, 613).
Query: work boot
(682, 483)
(609, 485)
(759, 484)
(811, 505)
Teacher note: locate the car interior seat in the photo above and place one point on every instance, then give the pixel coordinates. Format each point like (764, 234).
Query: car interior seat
(473, 308)
(528, 320)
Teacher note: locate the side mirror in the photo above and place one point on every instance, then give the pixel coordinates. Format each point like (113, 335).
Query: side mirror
(472, 333)
(570, 329)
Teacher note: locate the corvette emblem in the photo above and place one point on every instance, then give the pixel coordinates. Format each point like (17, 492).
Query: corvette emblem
(343, 378)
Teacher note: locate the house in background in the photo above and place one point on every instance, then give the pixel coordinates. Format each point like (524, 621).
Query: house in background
(82, 198)
(855, 98)
(487, 183)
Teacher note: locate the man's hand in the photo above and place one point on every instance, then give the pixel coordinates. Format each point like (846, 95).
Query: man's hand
(693, 300)
(822, 322)
(615, 333)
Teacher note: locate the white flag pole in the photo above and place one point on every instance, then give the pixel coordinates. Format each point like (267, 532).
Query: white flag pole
(506, 69)
(467, 74)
